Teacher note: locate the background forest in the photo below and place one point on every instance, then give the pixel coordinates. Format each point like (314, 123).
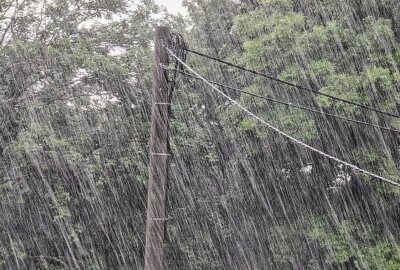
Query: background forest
(75, 97)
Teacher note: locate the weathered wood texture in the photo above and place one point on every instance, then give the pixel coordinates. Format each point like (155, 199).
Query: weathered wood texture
(159, 155)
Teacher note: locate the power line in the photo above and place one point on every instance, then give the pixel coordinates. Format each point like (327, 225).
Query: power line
(383, 179)
(289, 104)
(295, 85)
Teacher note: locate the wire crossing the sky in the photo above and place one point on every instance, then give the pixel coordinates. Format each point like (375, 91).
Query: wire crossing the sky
(383, 179)
(295, 105)
(294, 85)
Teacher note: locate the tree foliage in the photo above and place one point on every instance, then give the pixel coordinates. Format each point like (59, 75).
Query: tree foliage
(75, 110)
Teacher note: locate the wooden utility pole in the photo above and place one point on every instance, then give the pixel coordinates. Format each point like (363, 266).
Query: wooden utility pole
(159, 154)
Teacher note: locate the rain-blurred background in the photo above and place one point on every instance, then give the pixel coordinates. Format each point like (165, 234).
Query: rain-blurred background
(75, 98)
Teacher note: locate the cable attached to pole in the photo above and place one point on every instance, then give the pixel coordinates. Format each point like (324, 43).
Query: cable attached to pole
(381, 178)
(294, 85)
(289, 104)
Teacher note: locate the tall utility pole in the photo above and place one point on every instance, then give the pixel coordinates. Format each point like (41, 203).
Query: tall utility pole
(159, 154)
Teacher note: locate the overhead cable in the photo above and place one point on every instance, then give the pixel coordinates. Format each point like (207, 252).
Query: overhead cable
(381, 178)
(295, 85)
(289, 104)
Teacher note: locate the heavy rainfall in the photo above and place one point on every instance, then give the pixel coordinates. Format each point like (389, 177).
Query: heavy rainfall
(278, 123)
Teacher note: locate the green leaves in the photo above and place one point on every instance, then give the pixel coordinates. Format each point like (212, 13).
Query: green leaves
(276, 36)
(382, 256)
(60, 205)
(296, 123)
(248, 124)
(380, 78)
(322, 69)
(376, 160)
(278, 4)
(347, 243)
(350, 242)
(345, 86)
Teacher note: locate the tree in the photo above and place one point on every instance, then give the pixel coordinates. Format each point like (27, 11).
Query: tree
(347, 49)
(74, 101)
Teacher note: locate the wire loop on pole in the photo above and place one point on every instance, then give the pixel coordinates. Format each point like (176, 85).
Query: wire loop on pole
(179, 47)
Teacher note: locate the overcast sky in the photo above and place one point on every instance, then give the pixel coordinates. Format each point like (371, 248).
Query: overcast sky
(173, 6)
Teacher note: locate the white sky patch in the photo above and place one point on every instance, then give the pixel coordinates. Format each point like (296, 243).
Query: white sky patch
(97, 101)
(307, 169)
(88, 24)
(70, 104)
(37, 87)
(101, 100)
(116, 51)
(92, 22)
(132, 79)
(173, 6)
(80, 73)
